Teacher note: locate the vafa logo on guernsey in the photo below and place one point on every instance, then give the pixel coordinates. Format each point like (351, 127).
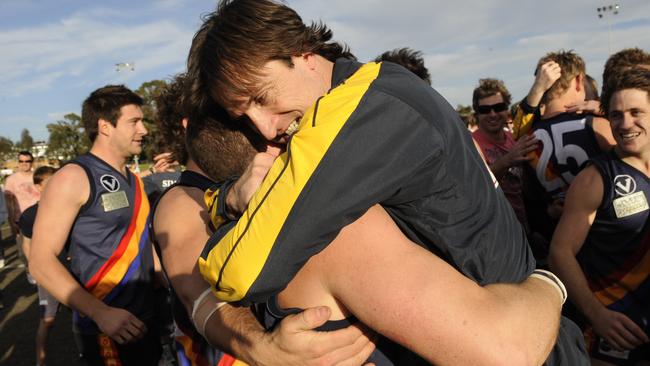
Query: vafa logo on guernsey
(109, 182)
(624, 185)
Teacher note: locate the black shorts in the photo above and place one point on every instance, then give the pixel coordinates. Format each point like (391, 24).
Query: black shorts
(100, 350)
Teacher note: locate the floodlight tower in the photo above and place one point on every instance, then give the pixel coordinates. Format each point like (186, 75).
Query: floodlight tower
(607, 12)
(125, 66)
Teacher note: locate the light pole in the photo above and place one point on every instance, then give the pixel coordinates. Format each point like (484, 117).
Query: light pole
(607, 12)
(125, 66)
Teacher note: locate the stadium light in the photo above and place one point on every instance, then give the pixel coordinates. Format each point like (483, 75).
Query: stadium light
(125, 66)
(607, 12)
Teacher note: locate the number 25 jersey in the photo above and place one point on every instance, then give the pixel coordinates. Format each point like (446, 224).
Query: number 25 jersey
(566, 142)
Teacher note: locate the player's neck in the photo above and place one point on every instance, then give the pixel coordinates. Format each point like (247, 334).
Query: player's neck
(192, 166)
(558, 105)
(640, 161)
(110, 156)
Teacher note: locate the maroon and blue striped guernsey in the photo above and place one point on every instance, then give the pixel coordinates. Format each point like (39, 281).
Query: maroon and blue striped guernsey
(616, 255)
(109, 242)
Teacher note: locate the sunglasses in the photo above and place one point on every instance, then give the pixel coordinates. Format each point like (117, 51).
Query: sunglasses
(25, 161)
(499, 107)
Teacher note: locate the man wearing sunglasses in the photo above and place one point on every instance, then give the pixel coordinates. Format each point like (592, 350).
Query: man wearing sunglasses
(20, 192)
(504, 156)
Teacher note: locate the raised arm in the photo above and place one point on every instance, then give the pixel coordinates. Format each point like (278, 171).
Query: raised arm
(66, 192)
(408, 294)
(528, 108)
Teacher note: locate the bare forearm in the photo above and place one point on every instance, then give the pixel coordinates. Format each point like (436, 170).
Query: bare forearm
(236, 331)
(528, 316)
(26, 247)
(51, 274)
(534, 96)
(567, 268)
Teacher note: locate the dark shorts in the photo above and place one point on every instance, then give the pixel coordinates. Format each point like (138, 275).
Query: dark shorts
(100, 350)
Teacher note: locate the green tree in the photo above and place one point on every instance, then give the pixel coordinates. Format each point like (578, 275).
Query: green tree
(466, 113)
(149, 91)
(67, 138)
(6, 149)
(26, 140)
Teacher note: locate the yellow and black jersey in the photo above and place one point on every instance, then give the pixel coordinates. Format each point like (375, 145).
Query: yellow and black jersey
(380, 135)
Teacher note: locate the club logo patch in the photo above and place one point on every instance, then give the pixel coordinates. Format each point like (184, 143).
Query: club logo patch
(109, 182)
(624, 185)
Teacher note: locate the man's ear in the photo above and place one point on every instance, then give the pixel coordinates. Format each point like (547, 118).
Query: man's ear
(580, 79)
(184, 123)
(103, 127)
(310, 59)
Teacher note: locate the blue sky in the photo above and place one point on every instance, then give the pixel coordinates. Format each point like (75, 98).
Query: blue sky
(54, 53)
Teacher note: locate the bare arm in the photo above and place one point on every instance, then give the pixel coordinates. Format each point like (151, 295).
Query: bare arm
(406, 293)
(66, 192)
(11, 203)
(233, 329)
(547, 75)
(582, 201)
(27, 244)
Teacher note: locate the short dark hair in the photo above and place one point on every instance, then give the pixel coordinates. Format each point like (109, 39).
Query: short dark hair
(41, 173)
(221, 147)
(634, 78)
(488, 87)
(412, 60)
(235, 41)
(105, 103)
(623, 60)
(25, 152)
(170, 111)
(591, 88)
(571, 65)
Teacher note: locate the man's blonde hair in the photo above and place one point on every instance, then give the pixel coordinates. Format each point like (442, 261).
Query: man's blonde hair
(571, 65)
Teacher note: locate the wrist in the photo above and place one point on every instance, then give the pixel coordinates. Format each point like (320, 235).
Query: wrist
(151, 170)
(232, 209)
(93, 311)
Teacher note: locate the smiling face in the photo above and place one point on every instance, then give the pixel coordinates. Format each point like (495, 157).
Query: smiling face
(127, 134)
(629, 116)
(25, 163)
(492, 122)
(285, 93)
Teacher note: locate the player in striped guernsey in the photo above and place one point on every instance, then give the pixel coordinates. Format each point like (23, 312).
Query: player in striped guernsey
(601, 247)
(98, 204)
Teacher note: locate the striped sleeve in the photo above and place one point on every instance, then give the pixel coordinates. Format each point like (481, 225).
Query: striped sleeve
(353, 149)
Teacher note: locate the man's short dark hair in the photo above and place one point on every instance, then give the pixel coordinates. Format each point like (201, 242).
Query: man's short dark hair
(221, 147)
(43, 172)
(635, 78)
(105, 103)
(170, 107)
(488, 87)
(412, 60)
(591, 88)
(240, 37)
(26, 153)
(624, 60)
(571, 65)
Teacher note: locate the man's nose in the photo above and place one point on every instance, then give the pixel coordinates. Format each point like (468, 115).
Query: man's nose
(142, 128)
(264, 123)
